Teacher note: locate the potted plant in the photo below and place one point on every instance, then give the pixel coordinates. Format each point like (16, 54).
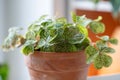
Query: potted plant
(58, 50)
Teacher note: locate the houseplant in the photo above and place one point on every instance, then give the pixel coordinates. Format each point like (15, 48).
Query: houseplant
(58, 50)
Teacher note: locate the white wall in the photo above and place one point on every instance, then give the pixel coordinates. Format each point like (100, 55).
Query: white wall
(60, 8)
(22, 13)
(1, 28)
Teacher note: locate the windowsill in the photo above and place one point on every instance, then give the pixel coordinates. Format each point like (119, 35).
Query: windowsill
(105, 77)
(89, 5)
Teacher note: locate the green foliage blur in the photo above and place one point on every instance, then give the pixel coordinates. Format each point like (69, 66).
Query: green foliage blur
(4, 72)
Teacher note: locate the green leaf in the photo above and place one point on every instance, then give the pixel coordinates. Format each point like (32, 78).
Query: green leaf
(30, 35)
(72, 35)
(91, 54)
(108, 50)
(34, 27)
(104, 38)
(78, 38)
(13, 39)
(57, 35)
(102, 60)
(83, 45)
(65, 47)
(83, 21)
(98, 62)
(70, 32)
(99, 18)
(30, 42)
(73, 17)
(28, 47)
(4, 71)
(40, 44)
(83, 30)
(107, 60)
(113, 41)
(45, 43)
(61, 20)
(27, 50)
(92, 58)
(46, 23)
(97, 27)
(101, 44)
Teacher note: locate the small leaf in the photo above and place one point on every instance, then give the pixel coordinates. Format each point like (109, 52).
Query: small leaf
(61, 20)
(113, 41)
(99, 18)
(98, 63)
(91, 54)
(65, 47)
(40, 44)
(78, 38)
(73, 17)
(107, 60)
(30, 35)
(83, 21)
(102, 60)
(30, 42)
(45, 43)
(104, 38)
(83, 45)
(92, 58)
(34, 27)
(97, 27)
(83, 30)
(28, 47)
(70, 33)
(108, 50)
(46, 23)
(101, 44)
(27, 50)
(13, 39)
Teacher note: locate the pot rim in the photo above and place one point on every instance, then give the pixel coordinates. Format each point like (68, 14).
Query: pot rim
(42, 52)
(57, 54)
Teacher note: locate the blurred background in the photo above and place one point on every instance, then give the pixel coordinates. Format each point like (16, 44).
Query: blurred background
(23, 12)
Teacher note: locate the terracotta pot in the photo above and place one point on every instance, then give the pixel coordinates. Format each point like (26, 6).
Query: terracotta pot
(57, 66)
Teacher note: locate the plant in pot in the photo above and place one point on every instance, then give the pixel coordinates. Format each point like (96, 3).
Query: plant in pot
(58, 50)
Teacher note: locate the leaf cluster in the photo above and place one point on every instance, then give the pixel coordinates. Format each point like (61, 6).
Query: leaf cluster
(98, 53)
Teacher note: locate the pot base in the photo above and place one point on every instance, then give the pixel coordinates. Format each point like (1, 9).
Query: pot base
(57, 66)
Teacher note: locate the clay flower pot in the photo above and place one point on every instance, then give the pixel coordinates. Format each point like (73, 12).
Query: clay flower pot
(57, 66)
